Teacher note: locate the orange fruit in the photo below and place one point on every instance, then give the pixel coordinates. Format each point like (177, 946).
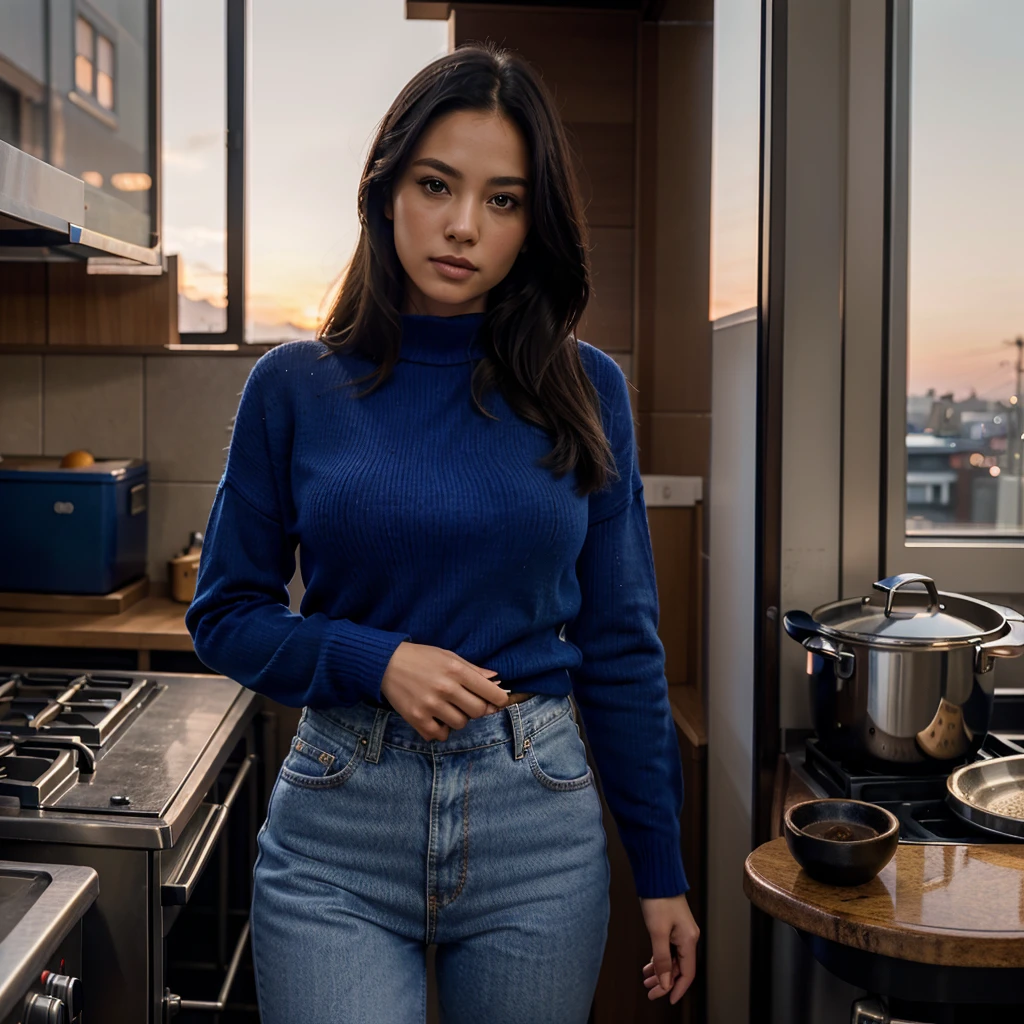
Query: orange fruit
(76, 459)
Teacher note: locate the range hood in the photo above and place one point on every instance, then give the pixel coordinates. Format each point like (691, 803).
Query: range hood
(44, 215)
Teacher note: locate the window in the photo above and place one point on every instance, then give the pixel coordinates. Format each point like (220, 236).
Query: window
(965, 270)
(260, 178)
(94, 64)
(84, 45)
(194, 156)
(954, 500)
(105, 72)
(735, 161)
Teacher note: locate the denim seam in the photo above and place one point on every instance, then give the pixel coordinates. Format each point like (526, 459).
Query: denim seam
(465, 842)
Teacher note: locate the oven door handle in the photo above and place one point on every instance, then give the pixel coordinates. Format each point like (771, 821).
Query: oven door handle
(174, 1004)
(177, 889)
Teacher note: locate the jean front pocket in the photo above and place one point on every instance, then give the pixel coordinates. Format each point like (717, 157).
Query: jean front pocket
(317, 760)
(558, 757)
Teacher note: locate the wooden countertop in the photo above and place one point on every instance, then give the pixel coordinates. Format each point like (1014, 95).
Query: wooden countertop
(959, 906)
(155, 623)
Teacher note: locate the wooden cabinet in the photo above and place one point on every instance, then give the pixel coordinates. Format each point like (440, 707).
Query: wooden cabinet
(60, 306)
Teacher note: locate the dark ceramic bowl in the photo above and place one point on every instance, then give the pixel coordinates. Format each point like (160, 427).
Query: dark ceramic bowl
(841, 842)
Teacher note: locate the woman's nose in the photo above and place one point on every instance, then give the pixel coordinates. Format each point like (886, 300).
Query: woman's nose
(463, 225)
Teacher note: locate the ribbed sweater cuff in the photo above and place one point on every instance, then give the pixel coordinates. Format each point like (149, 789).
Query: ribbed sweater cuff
(357, 657)
(657, 867)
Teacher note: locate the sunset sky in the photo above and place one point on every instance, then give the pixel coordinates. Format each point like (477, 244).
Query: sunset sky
(323, 73)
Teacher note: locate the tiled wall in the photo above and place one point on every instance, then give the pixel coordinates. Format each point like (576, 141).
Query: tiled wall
(173, 410)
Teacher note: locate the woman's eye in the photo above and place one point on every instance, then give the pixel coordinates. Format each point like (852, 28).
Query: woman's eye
(503, 201)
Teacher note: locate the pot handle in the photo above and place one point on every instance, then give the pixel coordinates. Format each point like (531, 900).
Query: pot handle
(804, 629)
(891, 584)
(844, 660)
(800, 626)
(1011, 645)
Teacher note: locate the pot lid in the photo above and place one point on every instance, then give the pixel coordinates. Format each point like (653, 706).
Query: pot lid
(921, 615)
(871, 620)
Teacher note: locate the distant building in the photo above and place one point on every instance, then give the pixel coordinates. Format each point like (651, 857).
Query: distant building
(961, 461)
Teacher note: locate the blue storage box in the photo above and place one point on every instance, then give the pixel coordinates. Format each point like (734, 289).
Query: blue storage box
(72, 531)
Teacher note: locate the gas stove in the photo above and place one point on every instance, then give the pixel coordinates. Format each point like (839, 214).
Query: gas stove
(916, 796)
(114, 751)
(52, 724)
(148, 779)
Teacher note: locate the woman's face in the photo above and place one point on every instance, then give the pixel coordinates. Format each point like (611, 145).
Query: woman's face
(463, 194)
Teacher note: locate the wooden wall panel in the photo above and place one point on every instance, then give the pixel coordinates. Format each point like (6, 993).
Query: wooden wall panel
(586, 57)
(675, 547)
(680, 443)
(22, 303)
(113, 310)
(608, 321)
(682, 337)
(605, 159)
(646, 233)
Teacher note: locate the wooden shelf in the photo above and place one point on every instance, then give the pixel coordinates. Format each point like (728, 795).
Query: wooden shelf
(153, 624)
(114, 603)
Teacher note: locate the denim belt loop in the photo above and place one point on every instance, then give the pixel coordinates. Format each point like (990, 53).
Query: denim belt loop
(304, 715)
(517, 728)
(380, 719)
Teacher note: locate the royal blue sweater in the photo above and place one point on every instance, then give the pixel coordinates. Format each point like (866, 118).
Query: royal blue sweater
(417, 518)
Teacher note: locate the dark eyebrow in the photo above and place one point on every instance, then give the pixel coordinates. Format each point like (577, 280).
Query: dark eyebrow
(440, 165)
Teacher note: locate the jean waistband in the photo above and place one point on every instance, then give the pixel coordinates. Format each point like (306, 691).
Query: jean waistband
(514, 721)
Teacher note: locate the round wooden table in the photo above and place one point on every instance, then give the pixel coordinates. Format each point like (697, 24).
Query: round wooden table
(956, 906)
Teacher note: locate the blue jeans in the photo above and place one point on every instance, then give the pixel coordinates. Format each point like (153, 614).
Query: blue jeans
(377, 843)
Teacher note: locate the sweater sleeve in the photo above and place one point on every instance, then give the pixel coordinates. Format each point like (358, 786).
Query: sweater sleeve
(239, 619)
(620, 687)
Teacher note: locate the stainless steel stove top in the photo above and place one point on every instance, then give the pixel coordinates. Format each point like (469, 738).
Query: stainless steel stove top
(119, 751)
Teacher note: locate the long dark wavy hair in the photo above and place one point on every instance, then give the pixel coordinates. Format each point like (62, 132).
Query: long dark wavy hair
(528, 333)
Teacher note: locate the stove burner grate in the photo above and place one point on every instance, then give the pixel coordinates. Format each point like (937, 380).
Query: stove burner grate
(918, 799)
(90, 706)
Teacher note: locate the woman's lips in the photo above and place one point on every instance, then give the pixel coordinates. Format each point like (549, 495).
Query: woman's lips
(452, 272)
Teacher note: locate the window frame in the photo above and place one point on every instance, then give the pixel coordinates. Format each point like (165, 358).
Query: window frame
(236, 41)
(873, 541)
(90, 100)
(986, 564)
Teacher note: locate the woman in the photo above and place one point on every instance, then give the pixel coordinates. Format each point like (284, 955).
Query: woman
(475, 547)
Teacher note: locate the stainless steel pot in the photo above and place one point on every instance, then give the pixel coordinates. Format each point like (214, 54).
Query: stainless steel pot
(903, 676)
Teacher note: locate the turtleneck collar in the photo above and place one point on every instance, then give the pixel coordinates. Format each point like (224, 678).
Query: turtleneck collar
(441, 340)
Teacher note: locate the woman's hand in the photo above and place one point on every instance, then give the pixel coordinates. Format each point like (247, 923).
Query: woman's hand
(670, 923)
(425, 683)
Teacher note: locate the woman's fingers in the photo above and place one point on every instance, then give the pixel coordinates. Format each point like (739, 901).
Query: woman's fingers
(653, 985)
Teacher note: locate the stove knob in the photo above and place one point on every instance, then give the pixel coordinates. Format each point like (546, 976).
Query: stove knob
(66, 989)
(40, 1009)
